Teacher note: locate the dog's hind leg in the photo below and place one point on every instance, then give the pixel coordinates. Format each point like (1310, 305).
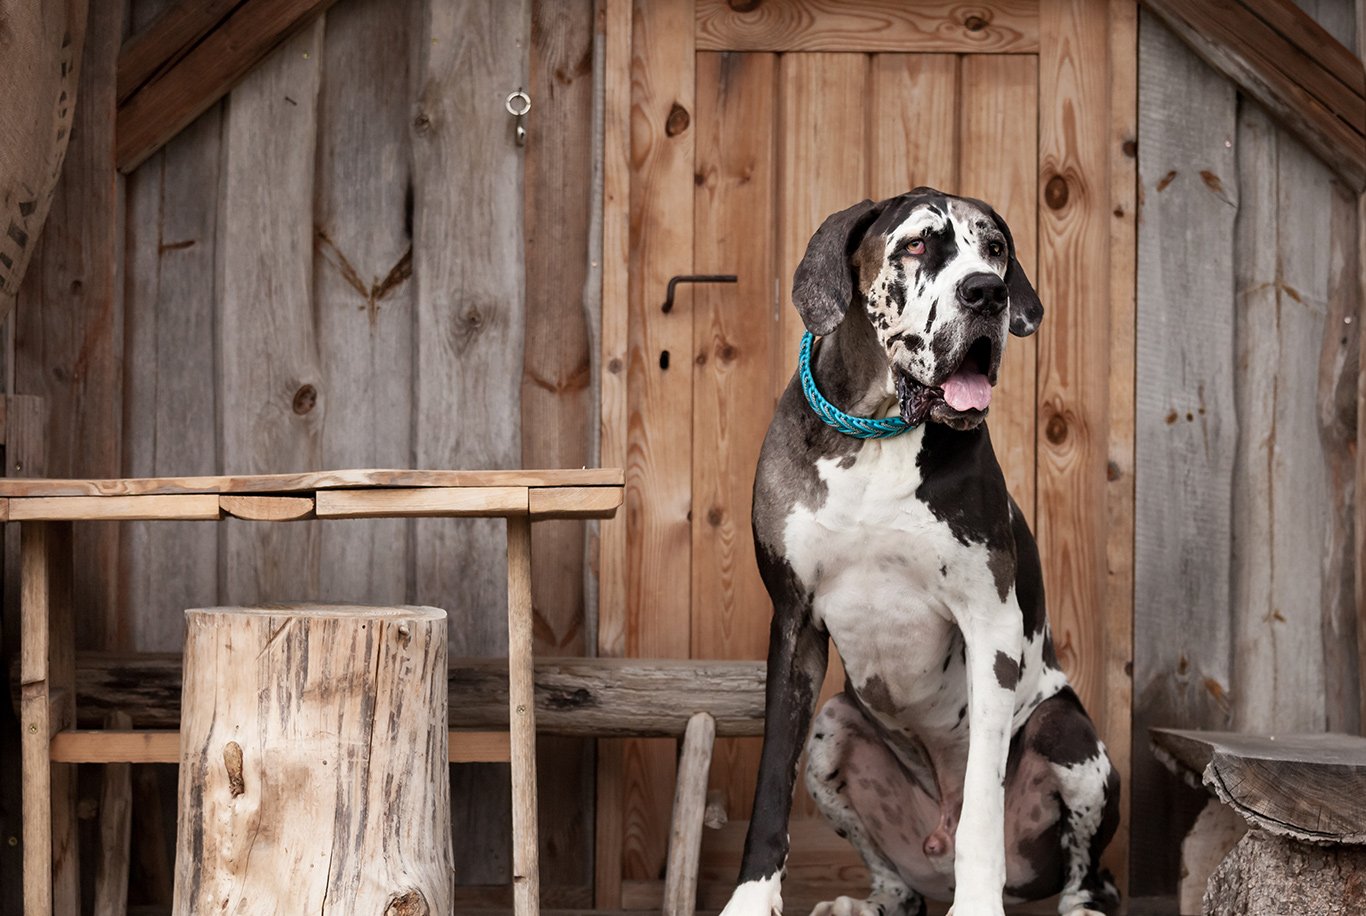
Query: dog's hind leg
(847, 766)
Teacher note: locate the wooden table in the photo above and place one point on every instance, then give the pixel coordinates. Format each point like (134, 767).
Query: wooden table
(47, 508)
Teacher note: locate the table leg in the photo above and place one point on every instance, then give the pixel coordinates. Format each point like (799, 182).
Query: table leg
(48, 696)
(522, 721)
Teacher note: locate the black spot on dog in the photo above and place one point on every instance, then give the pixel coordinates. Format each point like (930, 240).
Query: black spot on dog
(1007, 671)
(934, 306)
(962, 712)
(944, 571)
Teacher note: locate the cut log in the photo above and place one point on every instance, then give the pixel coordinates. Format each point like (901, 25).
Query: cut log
(1217, 830)
(313, 773)
(1275, 874)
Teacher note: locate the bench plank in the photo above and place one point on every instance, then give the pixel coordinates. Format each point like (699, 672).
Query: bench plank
(1304, 786)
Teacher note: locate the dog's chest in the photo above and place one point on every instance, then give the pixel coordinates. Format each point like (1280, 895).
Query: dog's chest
(888, 578)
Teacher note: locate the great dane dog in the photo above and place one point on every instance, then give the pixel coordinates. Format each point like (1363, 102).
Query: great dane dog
(957, 761)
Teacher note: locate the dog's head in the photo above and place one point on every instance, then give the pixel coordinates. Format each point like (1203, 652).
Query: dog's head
(937, 277)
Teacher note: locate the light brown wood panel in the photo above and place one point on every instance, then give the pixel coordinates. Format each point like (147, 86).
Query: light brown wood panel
(267, 508)
(870, 25)
(914, 120)
(269, 376)
(423, 502)
(735, 328)
(998, 118)
(69, 319)
(190, 506)
(170, 419)
(658, 470)
(1073, 282)
(820, 96)
(470, 322)
(362, 262)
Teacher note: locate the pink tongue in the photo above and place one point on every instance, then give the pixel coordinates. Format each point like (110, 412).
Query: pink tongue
(967, 389)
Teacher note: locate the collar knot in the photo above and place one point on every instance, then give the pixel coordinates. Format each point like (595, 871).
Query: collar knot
(858, 427)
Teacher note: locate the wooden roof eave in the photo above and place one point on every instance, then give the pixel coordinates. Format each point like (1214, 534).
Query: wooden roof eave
(1276, 54)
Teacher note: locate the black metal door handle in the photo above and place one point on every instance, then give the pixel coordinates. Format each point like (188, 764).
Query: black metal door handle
(694, 278)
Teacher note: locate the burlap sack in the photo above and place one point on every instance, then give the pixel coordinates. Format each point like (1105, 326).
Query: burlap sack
(40, 54)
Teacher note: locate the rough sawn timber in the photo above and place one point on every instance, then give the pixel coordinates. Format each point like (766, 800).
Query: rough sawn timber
(318, 787)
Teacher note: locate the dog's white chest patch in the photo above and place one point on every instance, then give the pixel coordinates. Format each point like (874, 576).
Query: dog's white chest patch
(889, 579)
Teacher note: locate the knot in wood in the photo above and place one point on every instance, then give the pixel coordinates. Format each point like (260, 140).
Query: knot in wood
(976, 22)
(715, 517)
(614, 365)
(411, 903)
(1056, 430)
(422, 123)
(232, 762)
(1056, 192)
(305, 399)
(678, 120)
(405, 635)
(744, 6)
(1130, 148)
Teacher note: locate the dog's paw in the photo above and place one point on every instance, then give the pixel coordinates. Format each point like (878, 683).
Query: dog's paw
(756, 898)
(848, 906)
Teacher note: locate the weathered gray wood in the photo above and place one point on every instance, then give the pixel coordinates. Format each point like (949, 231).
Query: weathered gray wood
(467, 265)
(269, 377)
(1185, 427)
(590, 697)
(1217, 830)
(690, 803)
(362, 286)
(1281, 503)
(1271, 874)
(170, 420)
(1306, 786)
(116, 798)
(557, 391)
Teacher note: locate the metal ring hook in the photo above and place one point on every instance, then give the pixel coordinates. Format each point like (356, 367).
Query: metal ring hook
(518, 104)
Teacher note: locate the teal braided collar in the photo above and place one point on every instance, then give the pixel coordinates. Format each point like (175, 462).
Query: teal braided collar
(858, 427)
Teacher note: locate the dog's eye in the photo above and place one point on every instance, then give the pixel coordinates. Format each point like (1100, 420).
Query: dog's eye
(995, 249)
(914, 246)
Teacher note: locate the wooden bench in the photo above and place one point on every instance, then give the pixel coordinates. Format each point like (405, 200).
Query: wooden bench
(1303, 798)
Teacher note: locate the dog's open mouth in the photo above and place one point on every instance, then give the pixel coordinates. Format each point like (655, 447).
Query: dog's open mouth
(960, 399)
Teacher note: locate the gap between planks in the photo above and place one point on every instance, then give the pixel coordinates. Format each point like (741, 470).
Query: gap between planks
(163, 746)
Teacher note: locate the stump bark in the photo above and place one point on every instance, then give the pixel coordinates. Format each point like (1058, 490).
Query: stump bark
(313, 773)
(1269, 875)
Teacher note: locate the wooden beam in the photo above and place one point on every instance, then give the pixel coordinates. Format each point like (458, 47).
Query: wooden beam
(171, 99)
(190, 507)
(168, 39)
(1305, 87)
(690, 802)
(431, 502)
(163, 746)
(574, 696)
(575, 502)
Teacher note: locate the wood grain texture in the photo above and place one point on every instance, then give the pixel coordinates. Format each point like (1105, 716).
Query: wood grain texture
(170, 417)
(1185, 426)
(362, 263)
(198, 506)
(116, 800)
(998, 124)
(1073, 377)
(270, 778)
(1281, 498)
(179, 93)
(424, 502)
(526, 868)
(685, 827)
(267, 508)
(559, 394)
(1010, 26)
(160, 41)
(1118, 609)
(117, 747)
(69, 327)
(313, 480)
(270, 395)
(660, 398)
(920, 147)
(1265, 873)
(734, 331)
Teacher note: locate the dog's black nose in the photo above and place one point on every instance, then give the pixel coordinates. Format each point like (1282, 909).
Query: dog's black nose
(983, 292)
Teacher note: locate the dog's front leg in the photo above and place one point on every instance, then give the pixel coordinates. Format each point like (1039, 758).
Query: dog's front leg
(994, 639)
(797, 654)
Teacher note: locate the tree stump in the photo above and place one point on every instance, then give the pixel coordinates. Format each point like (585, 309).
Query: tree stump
(1269, 875)
(313, 773)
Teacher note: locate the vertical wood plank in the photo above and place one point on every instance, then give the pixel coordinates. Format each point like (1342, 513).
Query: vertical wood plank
(526, 871)
(558, 391)
(268, 369)
(1185, 428)
(362, 288)
(614, 32)
(915, 130)
(1119, 474)
(170, 418)
(999, 123)
(660, 375)
(1280, 503)
(820, 96)
(469, 313)
(734, 332)
(69, 318)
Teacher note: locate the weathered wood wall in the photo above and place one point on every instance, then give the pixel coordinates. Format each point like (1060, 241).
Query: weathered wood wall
(1247, 370)
(348, 262)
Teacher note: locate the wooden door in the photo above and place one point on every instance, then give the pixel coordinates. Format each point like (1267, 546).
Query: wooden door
(743, 129)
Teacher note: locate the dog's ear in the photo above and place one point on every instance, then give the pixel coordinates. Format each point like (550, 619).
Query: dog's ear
(823, 284)
(1026, 311)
